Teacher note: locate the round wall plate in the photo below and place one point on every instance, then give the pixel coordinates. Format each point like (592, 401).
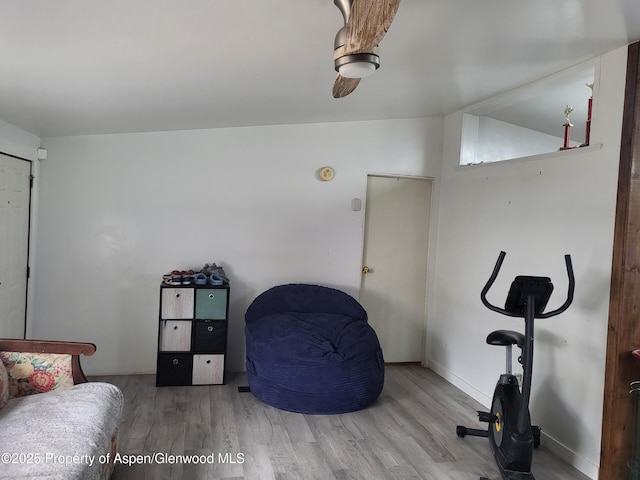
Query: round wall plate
(326, 174)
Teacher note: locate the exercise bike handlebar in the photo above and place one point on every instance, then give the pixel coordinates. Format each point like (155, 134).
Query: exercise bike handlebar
(494, 275)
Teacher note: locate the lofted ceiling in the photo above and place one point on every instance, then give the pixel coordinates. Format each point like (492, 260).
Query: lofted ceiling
(75, 67)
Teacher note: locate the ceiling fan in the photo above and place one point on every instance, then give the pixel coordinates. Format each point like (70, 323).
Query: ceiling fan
(355, 53)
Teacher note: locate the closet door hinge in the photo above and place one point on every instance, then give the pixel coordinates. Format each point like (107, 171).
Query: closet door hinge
(31, 177)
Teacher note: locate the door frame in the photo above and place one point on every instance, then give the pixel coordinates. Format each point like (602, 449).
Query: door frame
(29, 293)
(430, 248)
(623, 336)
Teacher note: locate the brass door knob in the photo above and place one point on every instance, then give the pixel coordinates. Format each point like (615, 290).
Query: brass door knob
(366, 270)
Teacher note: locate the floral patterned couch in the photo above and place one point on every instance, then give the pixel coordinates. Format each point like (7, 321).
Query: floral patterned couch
(54, 424)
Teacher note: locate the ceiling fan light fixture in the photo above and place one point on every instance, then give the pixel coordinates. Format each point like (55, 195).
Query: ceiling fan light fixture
(358, 65)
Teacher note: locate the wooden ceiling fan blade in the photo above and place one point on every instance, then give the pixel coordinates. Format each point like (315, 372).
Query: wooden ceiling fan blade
(344, 86)
(368, 23)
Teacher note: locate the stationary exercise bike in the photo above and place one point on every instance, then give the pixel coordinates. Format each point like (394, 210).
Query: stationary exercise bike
(511, 435)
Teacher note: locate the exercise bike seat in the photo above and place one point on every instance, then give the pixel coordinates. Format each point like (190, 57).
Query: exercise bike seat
(502, 338)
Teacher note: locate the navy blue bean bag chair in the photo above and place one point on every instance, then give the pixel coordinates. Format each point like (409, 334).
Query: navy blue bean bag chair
(310, 350)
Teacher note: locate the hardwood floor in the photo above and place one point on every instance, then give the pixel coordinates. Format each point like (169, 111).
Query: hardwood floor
(407, 434)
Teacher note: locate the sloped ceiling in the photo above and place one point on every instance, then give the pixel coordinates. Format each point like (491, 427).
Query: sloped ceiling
(74, 67)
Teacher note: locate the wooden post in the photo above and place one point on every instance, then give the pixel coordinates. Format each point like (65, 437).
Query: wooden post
(624, 309)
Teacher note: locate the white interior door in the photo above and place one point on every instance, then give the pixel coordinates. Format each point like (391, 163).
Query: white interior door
(15, 195)
(394, 279)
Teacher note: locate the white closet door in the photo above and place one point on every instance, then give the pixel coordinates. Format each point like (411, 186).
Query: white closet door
(15, 194)
(394, 280)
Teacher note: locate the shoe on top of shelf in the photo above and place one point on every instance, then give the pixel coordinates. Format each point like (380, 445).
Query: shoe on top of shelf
(187, 276)
(176, 278)
(213, 269)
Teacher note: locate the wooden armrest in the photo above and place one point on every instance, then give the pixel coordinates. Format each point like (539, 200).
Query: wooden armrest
(75, 349)
(47, 346)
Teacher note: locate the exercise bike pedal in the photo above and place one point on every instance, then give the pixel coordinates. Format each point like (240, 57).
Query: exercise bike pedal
(487, 417)
(472, 432)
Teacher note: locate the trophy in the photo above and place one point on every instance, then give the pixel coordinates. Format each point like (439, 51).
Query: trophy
(567, 128)
(587, 134)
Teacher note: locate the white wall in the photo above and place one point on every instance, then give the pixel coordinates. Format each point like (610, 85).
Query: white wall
(499, 140)
(535, 210)
(118, 211)
(485, 139)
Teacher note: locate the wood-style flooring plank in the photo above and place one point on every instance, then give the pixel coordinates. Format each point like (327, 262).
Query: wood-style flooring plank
(407, 434)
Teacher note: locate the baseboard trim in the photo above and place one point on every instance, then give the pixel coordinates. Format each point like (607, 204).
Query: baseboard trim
(461, 383)
(568, 455)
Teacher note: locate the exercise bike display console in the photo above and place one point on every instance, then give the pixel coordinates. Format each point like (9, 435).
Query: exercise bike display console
(511, 435)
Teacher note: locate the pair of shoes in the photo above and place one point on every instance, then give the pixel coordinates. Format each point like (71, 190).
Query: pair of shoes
(187, 276)
(209, 268)
(213, 269)
(173, 278)
(179, 277)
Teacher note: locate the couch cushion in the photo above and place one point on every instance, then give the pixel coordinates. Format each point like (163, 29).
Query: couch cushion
(4, 385)
(36, 372)
(63, 432)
